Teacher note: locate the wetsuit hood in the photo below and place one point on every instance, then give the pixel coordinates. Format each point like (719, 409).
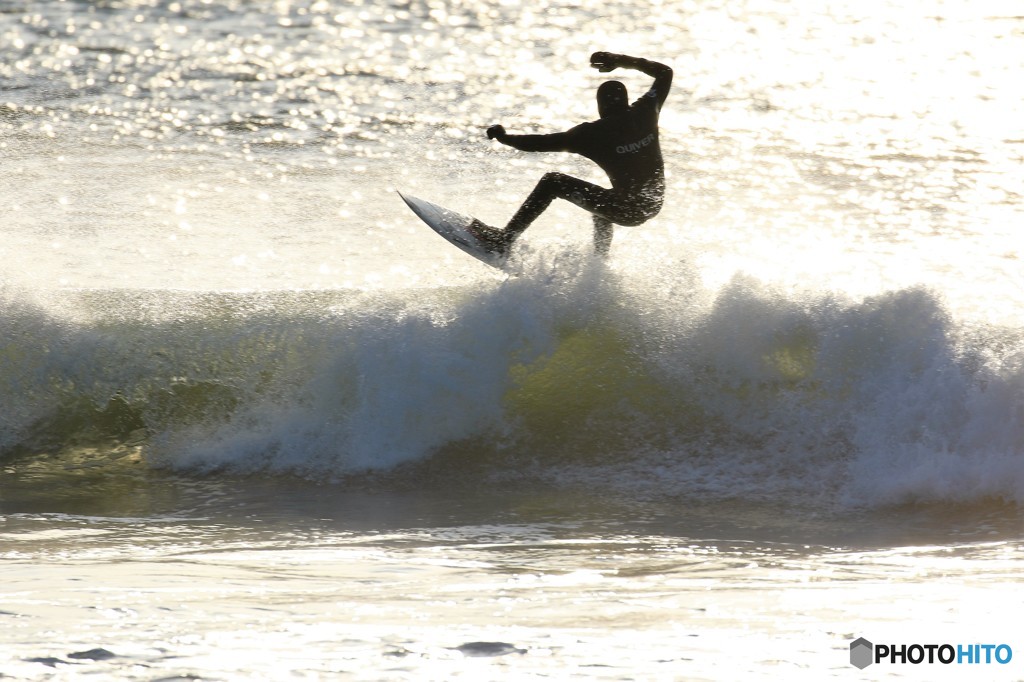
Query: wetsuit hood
(612, 99)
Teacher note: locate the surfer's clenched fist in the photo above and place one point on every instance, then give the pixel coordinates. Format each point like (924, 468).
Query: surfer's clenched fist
(604, 61)
(496, 132)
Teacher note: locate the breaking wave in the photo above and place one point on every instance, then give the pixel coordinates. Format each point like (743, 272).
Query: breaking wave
(576, 374)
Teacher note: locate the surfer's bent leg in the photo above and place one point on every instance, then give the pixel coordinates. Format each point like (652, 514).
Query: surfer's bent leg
(553, 186)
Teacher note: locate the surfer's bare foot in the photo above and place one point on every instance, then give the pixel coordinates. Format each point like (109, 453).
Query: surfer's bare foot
(494, 240)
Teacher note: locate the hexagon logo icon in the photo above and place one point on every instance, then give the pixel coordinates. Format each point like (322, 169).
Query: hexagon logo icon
(861, 653)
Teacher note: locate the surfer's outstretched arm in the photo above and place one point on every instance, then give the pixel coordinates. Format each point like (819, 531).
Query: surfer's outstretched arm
(662, 74)
(552, 142)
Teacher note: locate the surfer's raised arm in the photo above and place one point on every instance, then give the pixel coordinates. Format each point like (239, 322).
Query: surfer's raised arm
(662, 74)
(603, 62)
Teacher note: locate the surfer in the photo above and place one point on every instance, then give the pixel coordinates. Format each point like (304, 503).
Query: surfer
(623, 142)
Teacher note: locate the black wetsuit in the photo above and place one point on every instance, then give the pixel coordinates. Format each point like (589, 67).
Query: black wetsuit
(625, 145)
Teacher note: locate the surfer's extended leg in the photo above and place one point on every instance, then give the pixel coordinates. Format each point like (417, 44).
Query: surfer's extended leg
(588, 196)
(553, 186)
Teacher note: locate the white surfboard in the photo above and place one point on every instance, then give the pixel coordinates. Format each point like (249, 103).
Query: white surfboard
(452, 226)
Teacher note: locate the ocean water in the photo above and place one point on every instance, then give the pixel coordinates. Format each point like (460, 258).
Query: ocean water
(258, 422)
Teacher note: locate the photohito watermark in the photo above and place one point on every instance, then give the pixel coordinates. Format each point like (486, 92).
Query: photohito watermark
(863, 653)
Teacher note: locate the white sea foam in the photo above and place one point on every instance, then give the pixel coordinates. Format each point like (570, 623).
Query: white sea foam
(575, 374)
